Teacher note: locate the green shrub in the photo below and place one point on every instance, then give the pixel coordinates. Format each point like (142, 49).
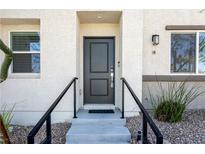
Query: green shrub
(172, 100)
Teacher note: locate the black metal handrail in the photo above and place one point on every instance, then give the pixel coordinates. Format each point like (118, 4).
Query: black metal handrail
(146, 116)
(47, 116)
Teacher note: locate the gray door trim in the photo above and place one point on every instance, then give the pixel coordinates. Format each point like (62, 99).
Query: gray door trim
(97, 37)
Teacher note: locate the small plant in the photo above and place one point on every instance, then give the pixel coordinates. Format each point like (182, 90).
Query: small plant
(172, 100)
(7, 116)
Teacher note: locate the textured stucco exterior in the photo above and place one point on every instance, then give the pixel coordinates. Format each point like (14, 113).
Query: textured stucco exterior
(154, 23)
(33, 95)
(61, 34)
(61, 59)
(159, 63)
(132, 34)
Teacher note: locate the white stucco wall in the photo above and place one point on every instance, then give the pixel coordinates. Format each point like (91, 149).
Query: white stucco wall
(159, 63)
(78, 64)
(154, 23)
(33, 96)
(132, 34)
(62, 57)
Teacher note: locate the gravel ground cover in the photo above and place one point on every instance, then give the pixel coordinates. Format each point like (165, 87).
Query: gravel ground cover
(18, 135)
(190, 130)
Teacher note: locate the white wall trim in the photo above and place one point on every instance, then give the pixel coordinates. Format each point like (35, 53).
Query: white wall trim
(12, 75)
(197, 51)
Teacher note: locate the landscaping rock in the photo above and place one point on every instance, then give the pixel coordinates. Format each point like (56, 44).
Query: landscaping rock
(19, 133)
(189, 131)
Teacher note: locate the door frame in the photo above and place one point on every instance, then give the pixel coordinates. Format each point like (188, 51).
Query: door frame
(97, 37)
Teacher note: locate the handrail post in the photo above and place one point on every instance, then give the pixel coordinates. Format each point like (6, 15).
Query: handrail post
(123, 99)
(160, 140)
(30, 140)
(146, 119)
(46, 118)
(74, 92)
(144, 129)
(48, 129)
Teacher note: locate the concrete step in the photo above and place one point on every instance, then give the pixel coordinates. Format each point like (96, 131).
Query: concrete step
(117, 122)
(97, 142)
(98, 128)
(99, 106)
(98, 134)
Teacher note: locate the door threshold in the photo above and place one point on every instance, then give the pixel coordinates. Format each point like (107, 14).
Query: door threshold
(99, 106)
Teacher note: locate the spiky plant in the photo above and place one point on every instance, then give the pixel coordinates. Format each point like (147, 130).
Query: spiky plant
(7, 116)
(172, 100)
(7, 61)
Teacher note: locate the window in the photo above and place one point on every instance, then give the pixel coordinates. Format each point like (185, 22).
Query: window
(26, 52)
(188, 52)
(201, 64)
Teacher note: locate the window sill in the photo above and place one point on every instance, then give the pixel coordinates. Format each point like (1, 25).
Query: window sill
(175, 78)
(24, 76)
(187, 74)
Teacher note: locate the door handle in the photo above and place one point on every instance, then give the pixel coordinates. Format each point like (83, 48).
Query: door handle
(111, 78)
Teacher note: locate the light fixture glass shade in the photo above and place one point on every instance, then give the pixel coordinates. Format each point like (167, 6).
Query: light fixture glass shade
(155, 39)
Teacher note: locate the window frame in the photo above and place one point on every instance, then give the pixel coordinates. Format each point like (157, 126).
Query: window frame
(197, 51)
(24, 75)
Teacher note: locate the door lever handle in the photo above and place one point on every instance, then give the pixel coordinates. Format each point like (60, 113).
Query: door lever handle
(111, 78)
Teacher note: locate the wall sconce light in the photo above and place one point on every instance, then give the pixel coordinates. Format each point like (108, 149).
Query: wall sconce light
(155, 39)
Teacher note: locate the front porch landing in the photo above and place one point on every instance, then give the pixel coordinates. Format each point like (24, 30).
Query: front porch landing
(97, 128)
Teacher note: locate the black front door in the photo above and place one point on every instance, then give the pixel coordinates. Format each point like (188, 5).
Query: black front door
(99, 70)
